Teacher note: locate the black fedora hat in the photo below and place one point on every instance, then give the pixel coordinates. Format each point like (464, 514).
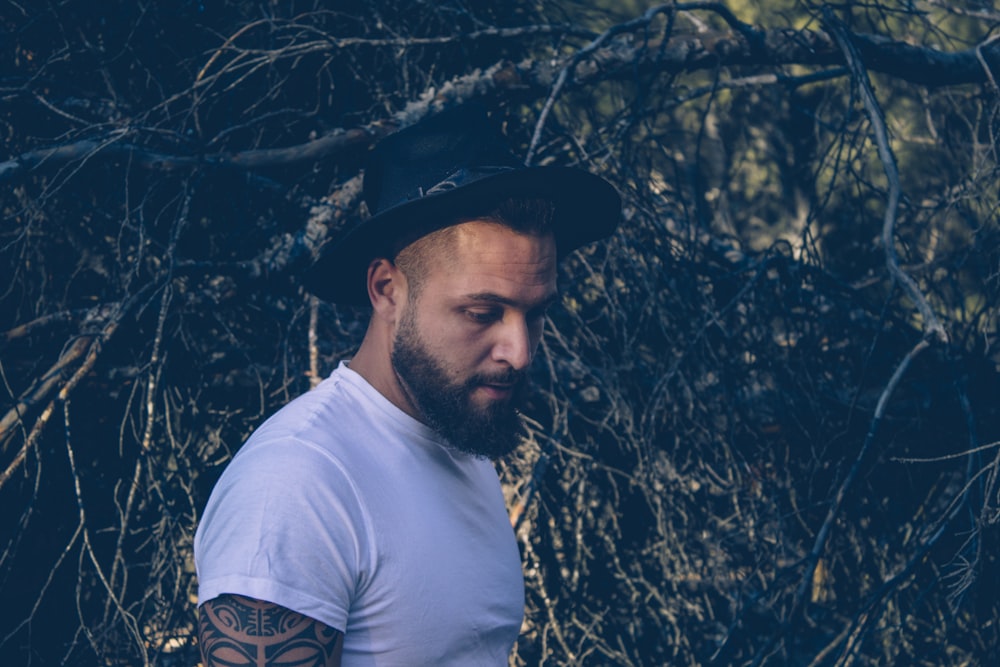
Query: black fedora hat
(443, 170)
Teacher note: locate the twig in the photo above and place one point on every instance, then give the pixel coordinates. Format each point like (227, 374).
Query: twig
(745, 43)
(953, 8)
(932, 325)
(819, 544)
(44, 588)
(154, 374)
(24, 329)
(947, 457)
(129, 619)
(331, 143)
(92, 345)
(229, 40)
(330, 43)
(537, 473)
(313, 339)
(753, 36)
(982, 61)
(865, 618)
(578, 57)
(49, 381)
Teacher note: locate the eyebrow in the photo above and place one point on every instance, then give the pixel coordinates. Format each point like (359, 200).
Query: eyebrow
(490, 297)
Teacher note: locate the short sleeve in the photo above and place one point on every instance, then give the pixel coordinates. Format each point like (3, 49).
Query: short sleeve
(285, 525)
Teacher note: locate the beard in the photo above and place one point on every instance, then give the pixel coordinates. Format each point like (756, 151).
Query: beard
(489, 432)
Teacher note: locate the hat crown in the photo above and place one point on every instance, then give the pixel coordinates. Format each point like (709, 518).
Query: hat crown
(440, 171)
(406, 165)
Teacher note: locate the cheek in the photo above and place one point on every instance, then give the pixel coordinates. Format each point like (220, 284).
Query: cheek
(456, 344)
(468, 349)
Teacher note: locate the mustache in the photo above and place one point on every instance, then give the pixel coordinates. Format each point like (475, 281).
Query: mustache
(510, 376)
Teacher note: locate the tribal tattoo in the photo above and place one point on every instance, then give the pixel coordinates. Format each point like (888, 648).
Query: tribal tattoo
(237, 631)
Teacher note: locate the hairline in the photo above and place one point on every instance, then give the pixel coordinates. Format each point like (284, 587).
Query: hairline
(416, 254)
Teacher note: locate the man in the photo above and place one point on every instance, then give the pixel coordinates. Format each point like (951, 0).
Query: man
(363, 524)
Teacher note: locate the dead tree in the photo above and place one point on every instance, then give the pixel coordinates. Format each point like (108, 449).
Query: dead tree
(764, 427)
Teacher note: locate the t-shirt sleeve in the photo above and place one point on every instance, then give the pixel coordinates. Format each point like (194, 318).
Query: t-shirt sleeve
(285, 525)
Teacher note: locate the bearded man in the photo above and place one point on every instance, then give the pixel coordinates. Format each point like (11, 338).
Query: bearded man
(363, 524)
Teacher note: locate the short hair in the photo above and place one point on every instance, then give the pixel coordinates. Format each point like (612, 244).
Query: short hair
(525, 215)
(528, 215)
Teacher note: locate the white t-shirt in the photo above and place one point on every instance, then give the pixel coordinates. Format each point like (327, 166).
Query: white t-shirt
(345, 509)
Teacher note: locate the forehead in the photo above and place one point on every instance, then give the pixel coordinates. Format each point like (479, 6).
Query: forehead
(487, 256)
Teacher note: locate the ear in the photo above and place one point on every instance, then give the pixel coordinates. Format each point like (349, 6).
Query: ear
(386, 287)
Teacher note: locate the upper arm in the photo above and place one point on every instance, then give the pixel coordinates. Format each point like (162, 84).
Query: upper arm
(236, 630)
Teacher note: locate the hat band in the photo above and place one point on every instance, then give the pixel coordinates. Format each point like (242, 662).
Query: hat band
(458, 179)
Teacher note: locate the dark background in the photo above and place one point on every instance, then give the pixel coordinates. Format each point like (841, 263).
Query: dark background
(765, 418)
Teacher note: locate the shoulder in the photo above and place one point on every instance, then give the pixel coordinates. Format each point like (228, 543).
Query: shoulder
(335, 413)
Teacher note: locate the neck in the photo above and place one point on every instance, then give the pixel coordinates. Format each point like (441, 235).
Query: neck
(373, 362)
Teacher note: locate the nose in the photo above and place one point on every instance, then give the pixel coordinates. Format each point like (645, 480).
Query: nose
(515, 344)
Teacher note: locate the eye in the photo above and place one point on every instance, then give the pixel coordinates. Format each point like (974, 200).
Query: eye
(484, 316)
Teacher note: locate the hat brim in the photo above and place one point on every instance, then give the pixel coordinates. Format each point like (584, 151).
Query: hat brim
(587, 208)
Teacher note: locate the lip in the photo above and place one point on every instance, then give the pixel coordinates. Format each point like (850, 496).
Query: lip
(498, 391)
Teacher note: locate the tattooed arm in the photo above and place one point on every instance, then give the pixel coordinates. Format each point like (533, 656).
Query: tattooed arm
(236, 631)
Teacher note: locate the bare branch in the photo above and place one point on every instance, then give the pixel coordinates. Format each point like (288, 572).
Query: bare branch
(833, 511)
(603, 59)
(932, 325)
